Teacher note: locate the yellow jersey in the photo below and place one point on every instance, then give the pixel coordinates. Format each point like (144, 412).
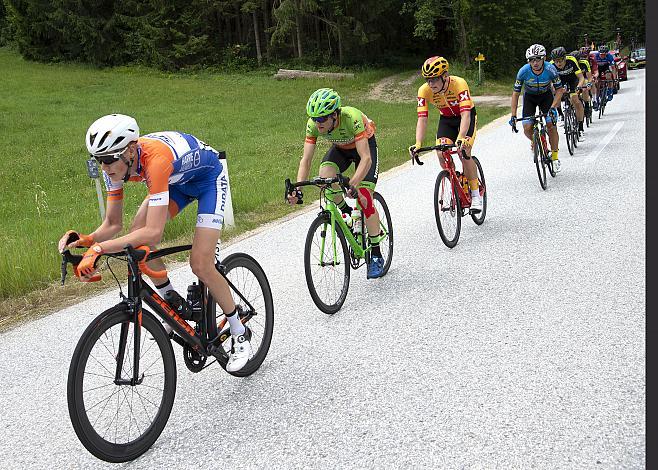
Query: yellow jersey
(454, 101)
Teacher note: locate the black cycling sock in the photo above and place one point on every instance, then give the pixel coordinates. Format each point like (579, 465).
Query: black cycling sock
(580, 126)
(374, 245)
(344, 207)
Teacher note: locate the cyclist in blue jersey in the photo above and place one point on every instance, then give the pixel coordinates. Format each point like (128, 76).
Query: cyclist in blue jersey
(178, 169)
(536, 78)
(606, 66)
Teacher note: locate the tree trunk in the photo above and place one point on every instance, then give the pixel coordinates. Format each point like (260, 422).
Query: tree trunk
(298, 29)
(463, 46)
(340, 45)
(259, 56)
(266, 26)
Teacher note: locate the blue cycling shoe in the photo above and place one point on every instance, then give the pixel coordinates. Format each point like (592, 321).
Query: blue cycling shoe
(375, 267)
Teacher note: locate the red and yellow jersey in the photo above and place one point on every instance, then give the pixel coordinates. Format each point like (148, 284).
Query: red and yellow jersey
(454, 101)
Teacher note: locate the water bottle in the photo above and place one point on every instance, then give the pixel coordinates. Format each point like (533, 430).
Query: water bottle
(178, 304)
(194, 300)
(347, 218)
(356, 221)
(464, 182)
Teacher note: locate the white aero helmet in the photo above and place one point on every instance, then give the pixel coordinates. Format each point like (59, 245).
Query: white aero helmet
(536, 50)
(111, 134)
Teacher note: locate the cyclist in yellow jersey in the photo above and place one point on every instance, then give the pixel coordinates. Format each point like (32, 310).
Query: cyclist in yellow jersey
(583, 60)
(458, 122)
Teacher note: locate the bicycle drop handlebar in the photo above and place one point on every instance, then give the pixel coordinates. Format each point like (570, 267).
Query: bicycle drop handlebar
(136, 258)
(534, 118)
(440, 147)
(343, 181)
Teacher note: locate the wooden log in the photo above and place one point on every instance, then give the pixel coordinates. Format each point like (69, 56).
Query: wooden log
(283, 74)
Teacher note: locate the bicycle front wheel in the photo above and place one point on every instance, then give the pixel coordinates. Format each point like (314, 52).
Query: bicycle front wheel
(118, 422)
(479, 217)
(539, 161)
(447, 209)
(386, 226)
(326, 264)
(568, 130)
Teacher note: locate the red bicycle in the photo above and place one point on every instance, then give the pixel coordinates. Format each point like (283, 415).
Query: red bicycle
(452, 196)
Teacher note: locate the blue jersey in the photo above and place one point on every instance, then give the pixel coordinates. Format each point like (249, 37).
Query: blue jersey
(604, 61)
(537, 84)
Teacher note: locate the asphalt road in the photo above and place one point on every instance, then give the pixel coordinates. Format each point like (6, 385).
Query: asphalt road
(523, 347)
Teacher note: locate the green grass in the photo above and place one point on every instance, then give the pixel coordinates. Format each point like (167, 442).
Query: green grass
(257, 120)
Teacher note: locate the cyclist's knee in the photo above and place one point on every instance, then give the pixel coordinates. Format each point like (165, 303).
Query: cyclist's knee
(328, 171)
(366, 201)
(203, 267)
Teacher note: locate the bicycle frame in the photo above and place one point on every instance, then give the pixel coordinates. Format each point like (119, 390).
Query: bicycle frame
(139, 291)
(445, 153)
(358, 243)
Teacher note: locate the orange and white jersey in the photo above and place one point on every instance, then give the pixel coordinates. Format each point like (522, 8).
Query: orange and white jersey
(166, 159)
(454, 101)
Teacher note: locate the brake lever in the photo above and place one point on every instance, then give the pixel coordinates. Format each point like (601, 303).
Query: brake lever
(414, 157)
(64, 272)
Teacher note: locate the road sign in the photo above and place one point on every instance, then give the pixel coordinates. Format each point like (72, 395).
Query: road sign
(479, 57)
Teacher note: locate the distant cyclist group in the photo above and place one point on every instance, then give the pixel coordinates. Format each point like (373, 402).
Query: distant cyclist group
(581, 75)
(354, 227)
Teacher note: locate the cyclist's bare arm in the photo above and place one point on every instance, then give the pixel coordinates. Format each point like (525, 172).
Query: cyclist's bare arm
(113, 222)
(304, 168)
(363, 149)
(464, 123)
(515, 102)
(558, 97)
(421, 128)
(150, 234)
(305, 163)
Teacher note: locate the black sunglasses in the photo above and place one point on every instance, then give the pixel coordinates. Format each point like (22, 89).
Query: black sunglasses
(321, 119)
(107, 159)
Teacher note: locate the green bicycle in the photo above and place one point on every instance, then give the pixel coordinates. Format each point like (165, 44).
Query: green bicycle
(327, 257)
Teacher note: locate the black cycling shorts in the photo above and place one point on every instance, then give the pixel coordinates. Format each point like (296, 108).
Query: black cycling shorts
(449, 127)
(341, 159)
(531, 101)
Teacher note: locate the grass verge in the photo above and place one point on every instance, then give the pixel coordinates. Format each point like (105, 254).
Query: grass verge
(46, 110)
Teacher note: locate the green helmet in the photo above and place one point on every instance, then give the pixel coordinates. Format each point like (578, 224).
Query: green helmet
(322, 102)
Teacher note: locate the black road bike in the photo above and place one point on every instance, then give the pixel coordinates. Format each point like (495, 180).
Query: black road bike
(122, 377)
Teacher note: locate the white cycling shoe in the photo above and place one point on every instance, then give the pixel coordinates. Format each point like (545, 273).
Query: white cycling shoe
(240, 352)
(476, 204)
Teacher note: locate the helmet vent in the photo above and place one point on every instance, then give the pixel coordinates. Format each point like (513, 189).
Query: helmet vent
(102, 141)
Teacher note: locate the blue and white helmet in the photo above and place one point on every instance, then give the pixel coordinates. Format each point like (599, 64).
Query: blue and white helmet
(536, 50)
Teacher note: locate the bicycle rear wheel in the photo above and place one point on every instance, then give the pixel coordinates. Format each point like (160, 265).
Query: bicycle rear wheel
(447, 209)
(479, 217)
(385, 245)
(118, 423)
(255, 307)
(326, 264)
(539, 161)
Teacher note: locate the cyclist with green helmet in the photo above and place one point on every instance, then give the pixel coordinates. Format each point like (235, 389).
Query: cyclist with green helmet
(352, 135)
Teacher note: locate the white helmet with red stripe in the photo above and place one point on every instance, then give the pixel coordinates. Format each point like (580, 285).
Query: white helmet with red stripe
(111, 134)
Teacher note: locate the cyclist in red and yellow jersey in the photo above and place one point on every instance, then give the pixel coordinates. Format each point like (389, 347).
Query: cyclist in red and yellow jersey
(458, 122)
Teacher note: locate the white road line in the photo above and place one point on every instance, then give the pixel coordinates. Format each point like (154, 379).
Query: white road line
(595, 154)
(638, 90)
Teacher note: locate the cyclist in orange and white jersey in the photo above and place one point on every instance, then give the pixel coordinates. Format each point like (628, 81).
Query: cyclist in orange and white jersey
(177, 168)
(458, 121)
